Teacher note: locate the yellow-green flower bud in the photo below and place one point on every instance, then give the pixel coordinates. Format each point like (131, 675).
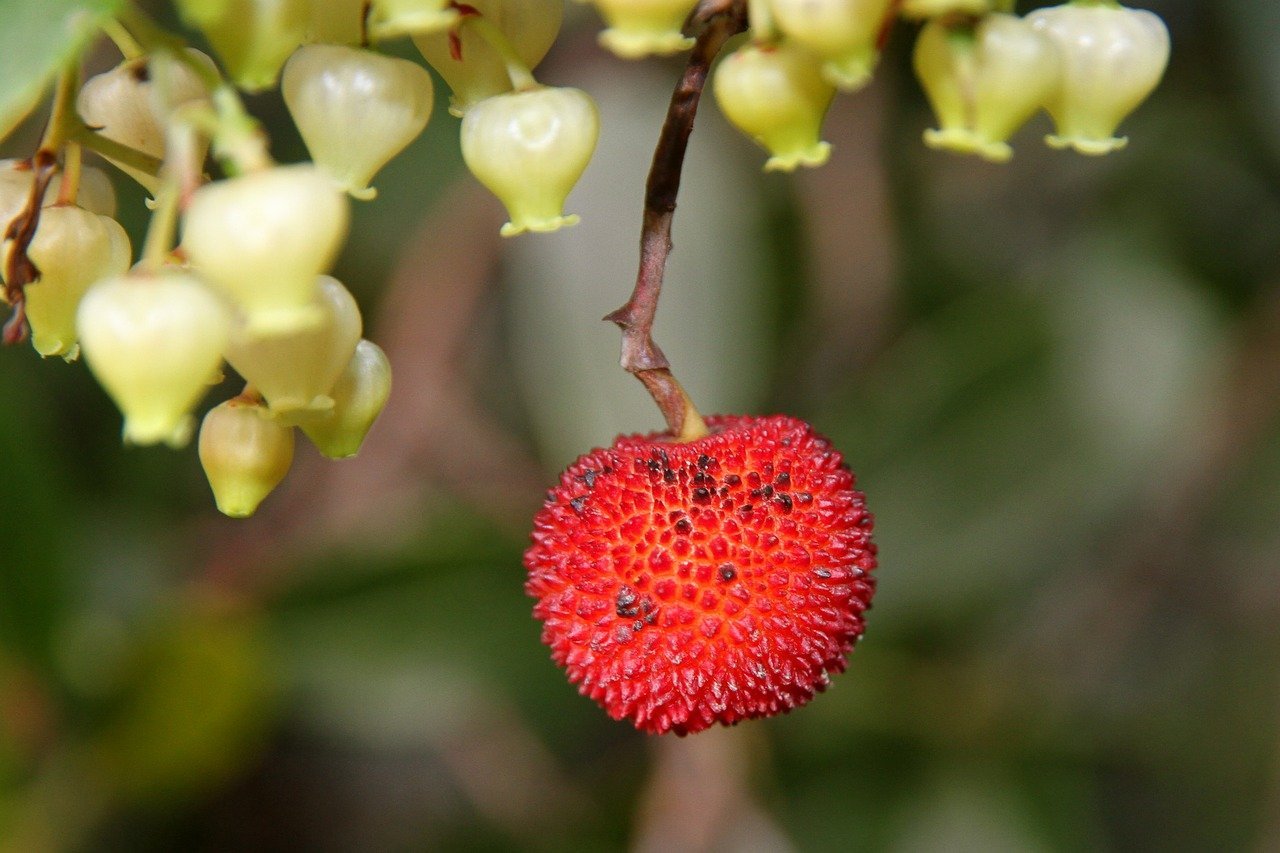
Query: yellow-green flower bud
(1112, 59)
(639, 28)
(918, 9)
(295, 372)
(776, 95)
(263, 238)
(253, 37)
(985, 82)
(476, 71)
(153, 342)
(335, 21)
(529, 148)
(355, 109)
(131, 104)
(245, 454)
(843, 32)
(72, 248)
(394, 18)
(95, 193)
(358, 398)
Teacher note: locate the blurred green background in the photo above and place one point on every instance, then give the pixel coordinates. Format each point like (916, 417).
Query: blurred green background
(1058, 381)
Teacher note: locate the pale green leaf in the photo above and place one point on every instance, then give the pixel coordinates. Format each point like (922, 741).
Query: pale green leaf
(36, 38)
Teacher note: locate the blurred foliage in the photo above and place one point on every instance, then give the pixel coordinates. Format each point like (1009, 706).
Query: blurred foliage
(1063, 401)
(35, 42)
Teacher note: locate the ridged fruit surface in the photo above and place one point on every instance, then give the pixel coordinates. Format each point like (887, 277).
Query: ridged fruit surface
(684, 585)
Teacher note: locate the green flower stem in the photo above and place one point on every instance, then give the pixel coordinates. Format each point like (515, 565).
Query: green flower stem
(62, 115)
(72, 166)
(521, 77)
(179, 179)
(131, 157)
(238, 140)
(124, 42)
(164, 225)
(760, 20)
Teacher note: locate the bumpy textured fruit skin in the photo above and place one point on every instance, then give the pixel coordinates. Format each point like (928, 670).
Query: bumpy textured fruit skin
(683, 585)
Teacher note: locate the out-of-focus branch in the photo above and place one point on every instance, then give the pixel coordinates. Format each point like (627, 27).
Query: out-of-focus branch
(698, 797)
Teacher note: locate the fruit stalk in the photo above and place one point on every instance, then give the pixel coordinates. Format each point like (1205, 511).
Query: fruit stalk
(640, 355)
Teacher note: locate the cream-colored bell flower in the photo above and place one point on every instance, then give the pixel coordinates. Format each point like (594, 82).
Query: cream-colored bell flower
(152, 341)
(72, 248)
(843, 32)
(264, 237)
(985, 82)
(245, 454)
(1112, 59)
(394, 18)
(639, 28)
(296, 372)
(95, 193)
(475, 71)
(252, 37)
(131, 104)
(359, 397)
(529, 148)
(776, 95)
(355, 109)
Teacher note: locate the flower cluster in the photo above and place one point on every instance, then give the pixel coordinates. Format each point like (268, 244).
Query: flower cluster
(235, 270)
(1088, 63)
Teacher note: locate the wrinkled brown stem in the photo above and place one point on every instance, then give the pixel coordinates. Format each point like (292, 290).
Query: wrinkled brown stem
(640, 355)
(19, 269)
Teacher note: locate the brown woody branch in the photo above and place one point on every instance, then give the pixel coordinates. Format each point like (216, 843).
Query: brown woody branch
(19, 269)
(720, 20)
